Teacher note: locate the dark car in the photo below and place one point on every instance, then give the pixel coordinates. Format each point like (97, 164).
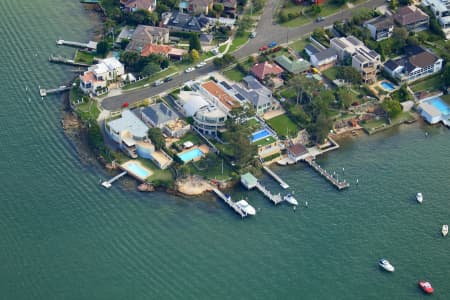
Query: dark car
(168, 79)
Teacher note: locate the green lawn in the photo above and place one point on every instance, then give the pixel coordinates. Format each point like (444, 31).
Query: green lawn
(192, 137)
(210, 167)
(283, 125)
(302, 20)
(254, 124)
(88, 110)
(222, 48)
(329, 9)
(238, 42)
(265, 141)
(330, 73)
(446, 98)
(373, 124)
(234, 74)
(84, 57)
(159, 175)
(429, 84)
(170, 70)
(299, 45)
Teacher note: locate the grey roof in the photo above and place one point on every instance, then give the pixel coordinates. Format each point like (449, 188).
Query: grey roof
(257, 98)
(383, 22)
(253, 83)
(159, 113)
(354, 40)
(324, 54)
(188, 22)
(129, 122)
(310, 48)
(144, 35)
(391, 65)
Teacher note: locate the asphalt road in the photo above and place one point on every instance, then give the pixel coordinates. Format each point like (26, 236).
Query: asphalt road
(266, 30)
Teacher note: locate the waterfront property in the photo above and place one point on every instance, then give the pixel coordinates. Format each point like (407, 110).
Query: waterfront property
(136, 169)
(417, 63)
(250, 182)
(161, 116)
(193, 154)
(95, 79)
(256, 136)
(219, 96)
(144, 35)
(297, 152)
(134, 5)
(435, 110)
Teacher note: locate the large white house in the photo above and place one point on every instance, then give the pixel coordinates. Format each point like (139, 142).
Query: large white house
(441, 9)
(416, 64)
(95, 79)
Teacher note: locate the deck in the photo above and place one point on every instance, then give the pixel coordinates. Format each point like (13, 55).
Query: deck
(324, 173)
(108, 184)
(283, 184)
(230, 203)
(276, 199)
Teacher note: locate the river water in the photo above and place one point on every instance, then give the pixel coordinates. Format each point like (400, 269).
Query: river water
(65, 237)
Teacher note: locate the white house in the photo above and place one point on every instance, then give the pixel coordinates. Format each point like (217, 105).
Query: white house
(95, 79)
(380, 28)
(441, 9)
(324, 59)
(430, 113)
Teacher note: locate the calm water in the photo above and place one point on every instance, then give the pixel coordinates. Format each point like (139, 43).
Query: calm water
(64, 237)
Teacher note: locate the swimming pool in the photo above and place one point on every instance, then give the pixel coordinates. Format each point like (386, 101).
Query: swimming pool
(440, 105)
(256, 136)
(138, 170)
(387, 86)
(190, 155)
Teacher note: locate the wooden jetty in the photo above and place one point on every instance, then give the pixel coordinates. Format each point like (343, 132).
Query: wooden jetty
(283, 184)
(108, 184)
(230, 203)
(45, 92)
(274, 198)
(90, 45)
(63, 60)
(90, 1)
(339, 184)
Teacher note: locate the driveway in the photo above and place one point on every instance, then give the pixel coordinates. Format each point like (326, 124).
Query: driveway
(266, 30)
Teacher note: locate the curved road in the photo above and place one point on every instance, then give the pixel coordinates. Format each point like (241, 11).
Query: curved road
(266, 32)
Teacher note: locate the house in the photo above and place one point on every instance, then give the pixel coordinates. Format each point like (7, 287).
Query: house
(144, 35)
(264, 69)
(380, 28)
(95, 79)
(131, 135)
(295, 67)
(310, 49)
(198, 7)
(324, 59)
(296, 152)
(412, 18)
(257, 94)
(218, 96)
(179, 21)
(230, 6)
(161, 116)
(165, 50)
(133, 5)
(208, 118)
(441, 9)
(430, 113)
(363, 59)
(267, 146)
(417, 63)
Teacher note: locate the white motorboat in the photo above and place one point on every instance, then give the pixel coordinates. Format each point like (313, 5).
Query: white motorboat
(386, 265)
(247, 208)
(419, 197)
(289, 198)
(444, 230)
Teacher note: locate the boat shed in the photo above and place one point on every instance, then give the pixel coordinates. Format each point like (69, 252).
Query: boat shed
(248, 180)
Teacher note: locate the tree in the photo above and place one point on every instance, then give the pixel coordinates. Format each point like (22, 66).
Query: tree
(349, 74)
(130, 59)
(391, 107)
(194, 43)
(157, 138)
(164, 64)
(194, 55)
(218, 9)
(246, 23)
(258, 5)
(150, 69)
(242, 150)
(345, 98)
(446, 76)
(399, 37)
(225, 60)
(102, 48)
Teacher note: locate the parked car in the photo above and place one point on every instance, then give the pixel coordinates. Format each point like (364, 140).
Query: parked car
(189, 70)
(158, 82)
(253, 34)
(320, 19)
(168, 79)
(263, 48)
(272, 44)
(201, 64)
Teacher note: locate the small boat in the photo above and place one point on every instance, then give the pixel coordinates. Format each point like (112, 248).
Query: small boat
(444, 230)
(426, 287)
(419, 197)
(247, 208)
(386, 265)
(289, 198)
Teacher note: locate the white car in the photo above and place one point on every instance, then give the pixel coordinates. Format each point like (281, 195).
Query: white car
(201, 64)
(190, 69)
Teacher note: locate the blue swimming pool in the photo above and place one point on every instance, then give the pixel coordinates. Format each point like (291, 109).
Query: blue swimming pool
(138, 170)
(440, 105)
(190, 155)
(256, 136)
(386, 85)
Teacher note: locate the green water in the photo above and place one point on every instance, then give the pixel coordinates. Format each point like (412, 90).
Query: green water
(64, 237)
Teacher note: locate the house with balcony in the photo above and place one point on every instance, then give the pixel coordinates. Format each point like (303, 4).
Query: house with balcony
(161, 116)
(380, 28)
(95, 79)
(131, 135)
(323, 59)
(144, 35)
(441, 9)
(257, 94)
(179, 21)
(363, 59)
(219, 96)
(134, 5)
(417, 63)
(412, 18)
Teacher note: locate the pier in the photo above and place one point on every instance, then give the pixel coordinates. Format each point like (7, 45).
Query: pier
(283, 184)
(90, 45)
(108, 184)
(63, 60)
(339, 184)
(250, 182)
(45, 92)
(230, 203)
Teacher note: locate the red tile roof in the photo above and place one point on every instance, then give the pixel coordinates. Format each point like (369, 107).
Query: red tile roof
(155, 49)
(265, 68)
(220, 94)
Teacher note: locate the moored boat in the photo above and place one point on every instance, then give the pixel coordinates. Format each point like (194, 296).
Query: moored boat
(426, 286)
(419, 197)
(386, 265)
(444, 230)
(247, 208)
(289, 198)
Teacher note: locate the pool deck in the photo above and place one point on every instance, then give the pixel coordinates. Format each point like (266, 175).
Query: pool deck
(125, 167)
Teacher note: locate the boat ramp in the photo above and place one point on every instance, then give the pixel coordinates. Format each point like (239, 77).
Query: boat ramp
(338, 184)
(283, 184)
(108, 184)
(250, 182)
(90, 45)
(230, 203)
(45, 92)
